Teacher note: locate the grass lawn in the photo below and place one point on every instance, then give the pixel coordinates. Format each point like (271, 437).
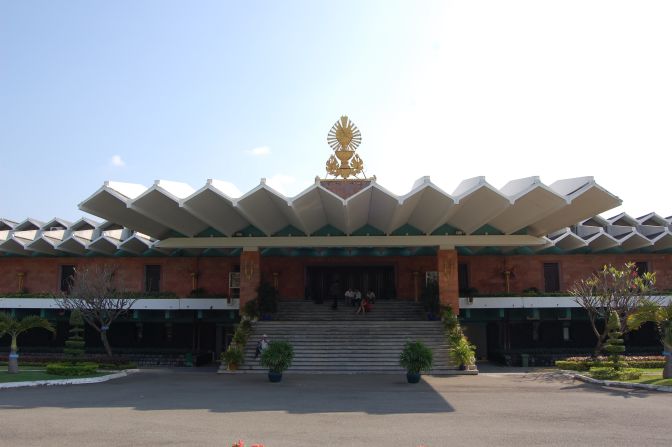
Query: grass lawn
(28, 375)
(653, 376)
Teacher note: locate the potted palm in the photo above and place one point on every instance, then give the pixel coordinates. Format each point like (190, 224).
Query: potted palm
(415, 357)
(233, 357)
(277, 357)
(462, 353)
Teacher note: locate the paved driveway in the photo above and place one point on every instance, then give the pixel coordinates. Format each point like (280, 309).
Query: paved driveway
(197, 407)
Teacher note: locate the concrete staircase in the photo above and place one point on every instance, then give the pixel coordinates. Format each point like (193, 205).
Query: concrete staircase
(338, 341)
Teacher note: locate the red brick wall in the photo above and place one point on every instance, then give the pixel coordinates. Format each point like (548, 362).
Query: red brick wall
(486, 272)
(43, 274)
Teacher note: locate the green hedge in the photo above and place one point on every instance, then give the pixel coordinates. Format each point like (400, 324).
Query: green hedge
(585, 365)
(72, 369)
(607, 373)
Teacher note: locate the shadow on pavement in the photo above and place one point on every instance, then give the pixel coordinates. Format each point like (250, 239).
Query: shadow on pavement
(171, 389)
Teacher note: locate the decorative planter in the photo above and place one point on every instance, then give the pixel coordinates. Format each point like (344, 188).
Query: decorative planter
(274, 376)
(463, 367)
(413, 377)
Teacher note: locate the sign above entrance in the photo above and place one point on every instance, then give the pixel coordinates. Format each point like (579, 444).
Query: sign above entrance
(344, 138)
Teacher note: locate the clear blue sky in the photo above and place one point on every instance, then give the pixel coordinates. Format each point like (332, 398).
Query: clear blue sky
(142, 90)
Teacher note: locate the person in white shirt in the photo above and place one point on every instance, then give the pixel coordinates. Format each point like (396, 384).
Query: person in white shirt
(261, 345)
(349, 297)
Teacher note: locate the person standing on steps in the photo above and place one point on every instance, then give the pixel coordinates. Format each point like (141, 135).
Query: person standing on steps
(335, 293)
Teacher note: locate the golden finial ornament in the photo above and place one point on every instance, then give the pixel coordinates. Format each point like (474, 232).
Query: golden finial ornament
(344, 138)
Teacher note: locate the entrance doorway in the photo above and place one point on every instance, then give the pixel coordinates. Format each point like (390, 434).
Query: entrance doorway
(380, 279)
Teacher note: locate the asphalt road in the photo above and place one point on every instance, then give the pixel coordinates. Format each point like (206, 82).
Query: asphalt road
(197, 407)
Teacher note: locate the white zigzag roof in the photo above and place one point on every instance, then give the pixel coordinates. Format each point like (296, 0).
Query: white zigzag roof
(137, 218)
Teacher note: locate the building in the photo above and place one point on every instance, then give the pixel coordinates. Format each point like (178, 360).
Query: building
(199, 254)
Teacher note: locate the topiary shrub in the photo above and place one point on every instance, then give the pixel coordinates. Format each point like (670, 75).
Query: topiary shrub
(72, 369)
(614, 345)
(74, 346)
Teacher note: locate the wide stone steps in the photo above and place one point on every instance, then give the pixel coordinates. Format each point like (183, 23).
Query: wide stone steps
(383, 310)
(349, 347)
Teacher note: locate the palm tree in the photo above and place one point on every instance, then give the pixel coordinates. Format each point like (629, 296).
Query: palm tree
(662, 317)
(13, 327)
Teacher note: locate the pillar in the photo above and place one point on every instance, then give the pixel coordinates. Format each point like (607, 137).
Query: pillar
(448, 284)
(250, 274)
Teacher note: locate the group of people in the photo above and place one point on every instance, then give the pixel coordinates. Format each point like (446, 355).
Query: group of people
(353, 297)
(364, 304)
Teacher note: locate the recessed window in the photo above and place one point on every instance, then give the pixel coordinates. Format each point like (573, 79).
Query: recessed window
(551, 277)
(463, 278)
(152, 278)
(642, 267)
(67, 276)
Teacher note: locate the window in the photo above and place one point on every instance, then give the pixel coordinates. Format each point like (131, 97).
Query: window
(152, 278)
(642, 267)
(463, 278)
(67, 276)
(551, 277)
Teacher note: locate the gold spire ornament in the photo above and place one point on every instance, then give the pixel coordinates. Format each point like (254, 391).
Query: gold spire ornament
(344, 138)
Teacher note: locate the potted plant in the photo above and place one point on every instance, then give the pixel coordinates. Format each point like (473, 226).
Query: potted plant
(462, 353)
(233, 357)
(277, 357)
(416, 357)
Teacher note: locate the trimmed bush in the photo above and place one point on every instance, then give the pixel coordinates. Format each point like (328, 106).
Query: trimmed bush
(584, 364)
(610, 373)
(572, 365)
(72, 369)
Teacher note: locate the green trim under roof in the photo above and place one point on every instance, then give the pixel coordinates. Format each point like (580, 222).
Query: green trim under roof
(249, 231)
(551, 251)
(328, 230)
(289, 230)
(445, 229)
(368, 230)
(487, 230)
(407, 230)
(174, 233)
(210, 232)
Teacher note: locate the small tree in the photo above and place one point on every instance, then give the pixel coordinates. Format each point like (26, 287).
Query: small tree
(13, 327)
(623, 291)
(614, 345)
(94, 295)
(74, 345)
(662, 317)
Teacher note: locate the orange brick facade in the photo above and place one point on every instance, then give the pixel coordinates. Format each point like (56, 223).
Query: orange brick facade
(211, 274)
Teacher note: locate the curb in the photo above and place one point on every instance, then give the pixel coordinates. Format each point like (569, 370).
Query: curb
(630, 385)
(86, 380)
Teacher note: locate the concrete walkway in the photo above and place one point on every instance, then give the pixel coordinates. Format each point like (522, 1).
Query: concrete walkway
(198, 407)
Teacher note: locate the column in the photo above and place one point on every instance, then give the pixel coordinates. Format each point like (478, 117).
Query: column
(448, 284)
(250, 274)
